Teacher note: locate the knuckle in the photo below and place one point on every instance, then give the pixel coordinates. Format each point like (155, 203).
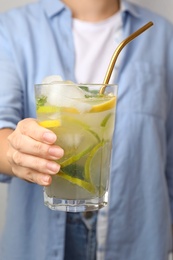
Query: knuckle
(17, 142)
(30, 176)
(24, 174)
(39, 164)
(34, 177)
(29, 127)
(23, 126)
(17, 158)
(38, 179)
(10, 138)
(38, 147)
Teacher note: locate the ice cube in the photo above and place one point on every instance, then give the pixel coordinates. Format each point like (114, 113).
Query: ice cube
(73, 140)
(52, 79)
(65, 94)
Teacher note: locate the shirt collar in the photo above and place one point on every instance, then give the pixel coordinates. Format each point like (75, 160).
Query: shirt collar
(127, 7)
(53, 7)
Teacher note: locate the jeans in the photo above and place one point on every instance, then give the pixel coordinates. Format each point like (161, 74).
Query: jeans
(81, 236)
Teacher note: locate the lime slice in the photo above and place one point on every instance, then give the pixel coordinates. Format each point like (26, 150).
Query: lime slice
(71, 120)
(89, 160)
(48, 109)
(50, 123)
(107, 125)
(97, 166)
(93, 177)
(76, 157)
(106, 119)
(75, 137)
(81, 183)
(78, 141)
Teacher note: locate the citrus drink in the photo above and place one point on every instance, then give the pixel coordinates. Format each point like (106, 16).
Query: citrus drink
(84, 129)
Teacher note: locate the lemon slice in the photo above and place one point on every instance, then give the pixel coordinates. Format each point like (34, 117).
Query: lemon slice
(103, 104)
(70, 110)
(82, 183)
(50, 123)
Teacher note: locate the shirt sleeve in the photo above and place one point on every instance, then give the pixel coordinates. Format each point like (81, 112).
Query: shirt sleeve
(10, 83)
(10, 86)
(169, 165)
(5, 178)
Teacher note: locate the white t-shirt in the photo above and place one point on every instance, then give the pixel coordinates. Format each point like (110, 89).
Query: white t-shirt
(95, 43)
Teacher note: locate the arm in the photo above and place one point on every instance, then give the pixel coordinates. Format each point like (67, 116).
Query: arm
(4, 164)
(28, 152)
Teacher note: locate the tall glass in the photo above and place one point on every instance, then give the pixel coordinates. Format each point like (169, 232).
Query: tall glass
(83, 121)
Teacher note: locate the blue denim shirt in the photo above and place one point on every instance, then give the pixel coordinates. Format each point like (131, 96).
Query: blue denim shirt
(35, 41)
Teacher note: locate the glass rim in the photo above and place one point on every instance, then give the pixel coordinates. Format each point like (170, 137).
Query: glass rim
(76, 84)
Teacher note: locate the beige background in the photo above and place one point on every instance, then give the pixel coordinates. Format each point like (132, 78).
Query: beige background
(162, 7)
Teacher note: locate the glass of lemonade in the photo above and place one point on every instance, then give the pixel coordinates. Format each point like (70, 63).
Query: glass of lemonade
(83, 121)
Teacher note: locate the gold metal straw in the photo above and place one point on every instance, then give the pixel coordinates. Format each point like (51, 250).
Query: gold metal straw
(117, 52)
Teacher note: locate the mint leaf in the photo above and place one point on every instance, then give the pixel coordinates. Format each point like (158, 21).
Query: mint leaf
(74, 170)
(41, 101)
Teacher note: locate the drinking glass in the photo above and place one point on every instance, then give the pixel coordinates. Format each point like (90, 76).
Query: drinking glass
(83, 120)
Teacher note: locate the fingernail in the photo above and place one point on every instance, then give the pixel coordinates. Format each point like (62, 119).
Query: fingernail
(53, 167)
(49, 137)
(46, 178)
(56, 152)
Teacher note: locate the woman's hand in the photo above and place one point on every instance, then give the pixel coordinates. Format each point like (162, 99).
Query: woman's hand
(32, 152)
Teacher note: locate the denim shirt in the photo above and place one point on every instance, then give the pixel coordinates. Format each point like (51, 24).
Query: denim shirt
(35, 41)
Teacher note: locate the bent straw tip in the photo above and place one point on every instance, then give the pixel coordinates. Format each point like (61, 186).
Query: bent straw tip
(118, 50)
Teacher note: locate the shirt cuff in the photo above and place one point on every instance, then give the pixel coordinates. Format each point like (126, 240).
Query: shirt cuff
(4, 178)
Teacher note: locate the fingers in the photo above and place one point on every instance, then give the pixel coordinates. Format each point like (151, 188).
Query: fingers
(33, 176)
(30, 138)
(32, 152)
(31, 168)
(31, 128)
(34, 163)
(27, 145)
(40, 179)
